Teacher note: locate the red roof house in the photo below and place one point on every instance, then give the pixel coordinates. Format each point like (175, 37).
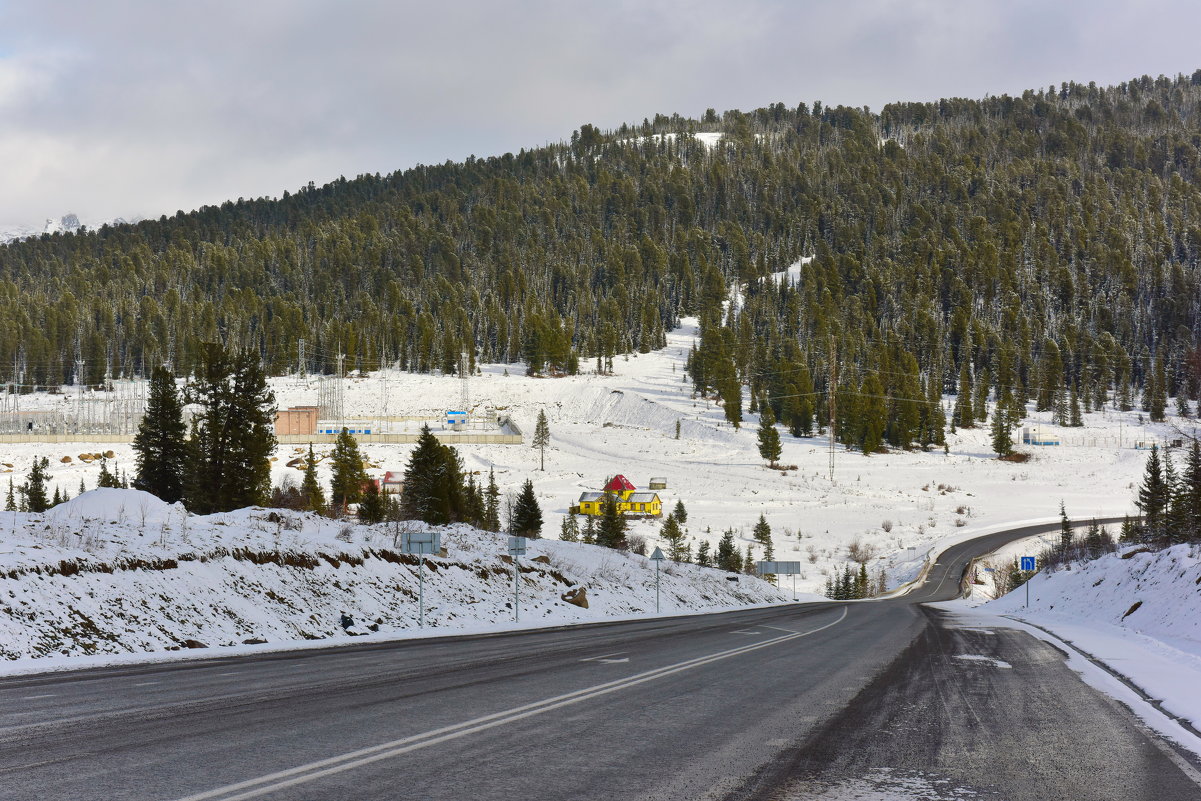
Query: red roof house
(619, 485)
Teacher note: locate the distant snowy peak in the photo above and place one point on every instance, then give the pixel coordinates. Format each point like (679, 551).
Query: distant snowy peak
(68, 223)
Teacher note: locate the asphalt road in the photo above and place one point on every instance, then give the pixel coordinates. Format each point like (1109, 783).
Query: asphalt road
(866, 700)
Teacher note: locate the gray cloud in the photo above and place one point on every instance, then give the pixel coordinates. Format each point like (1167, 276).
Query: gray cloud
(142, 108)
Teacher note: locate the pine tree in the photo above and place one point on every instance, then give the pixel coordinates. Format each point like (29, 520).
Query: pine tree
(107, 479)
(703, 557)
(963, 414)
(1065, 530)
(372, 507)
(873, 413)
(861, 582)
(433, 482)
(611, 532)
(82, 487)
(588, 535)
(527, 514)
(762, 530)
(1002, 437)
(680, 513)
(541, 436)
(1190, 494)
(728, 557)
(310, 487)
(569, 529)
(160, 445)
(1153, 495)
(673, 535)
(10, 500)
(748, 562)
(231, 439)
(1075, 418)
(57, 499)
(349, 476)
(492, 504)
(1157, 392)
(35, 486)
(769, 438)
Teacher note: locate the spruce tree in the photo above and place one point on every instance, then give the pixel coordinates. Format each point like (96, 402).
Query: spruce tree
(703, 557)
(527, 514)
(433, 483)
(349, 477)
(588, 534)
(1075, 418)
(492, 504)
(1002, 437)
(762, 530)
(160, 443)
(1190, 493)
(541, 437)
(10, 500)
(728, 557)
(1065, 530)
(680, 512)
(873, 414)
(372, 507)
(35, 485)
(673, 535)
(963, 414)
(1153, 495)
(611, 531)
(569, 529)
(769, 438)
(106, 478)
(231, 439)
(310, 487)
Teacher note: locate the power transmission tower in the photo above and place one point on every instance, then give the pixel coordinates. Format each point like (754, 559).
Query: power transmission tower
(302, 362)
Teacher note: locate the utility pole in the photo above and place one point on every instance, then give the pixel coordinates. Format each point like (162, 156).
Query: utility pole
(833, 404)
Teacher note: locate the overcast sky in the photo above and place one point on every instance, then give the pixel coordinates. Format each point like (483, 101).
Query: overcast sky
(124, 108)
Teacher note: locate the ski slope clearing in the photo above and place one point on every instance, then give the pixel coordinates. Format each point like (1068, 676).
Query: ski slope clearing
(897, 506)
(116, 572)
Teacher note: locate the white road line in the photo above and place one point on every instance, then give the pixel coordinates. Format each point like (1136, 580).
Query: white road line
(146, 683)
(35, 697)
(605, 657)
(302, 774)
(777, 628)
(230, 673)
(744, 631)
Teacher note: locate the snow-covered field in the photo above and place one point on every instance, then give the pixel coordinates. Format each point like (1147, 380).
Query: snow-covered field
(900, 504)
(119, 572)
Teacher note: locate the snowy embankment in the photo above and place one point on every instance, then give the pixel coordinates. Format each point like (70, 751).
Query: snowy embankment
(1138, 612)
(120, 572)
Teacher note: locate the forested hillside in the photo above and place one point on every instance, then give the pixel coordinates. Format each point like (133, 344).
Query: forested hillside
(1039, 246)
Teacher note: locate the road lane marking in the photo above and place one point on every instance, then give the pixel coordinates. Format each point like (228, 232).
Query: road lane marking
(607, 658)
(35, 697)
(146, 683)
(777, 628)
(230, 673)
(301, 774)
(744, 631)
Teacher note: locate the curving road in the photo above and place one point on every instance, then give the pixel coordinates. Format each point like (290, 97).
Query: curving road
(820, 701)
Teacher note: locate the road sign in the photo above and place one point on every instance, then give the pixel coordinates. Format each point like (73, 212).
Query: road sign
(657, 555)
(421, 542)
(517, 550)
(658, 558)
(1028, 563)
(779, 568)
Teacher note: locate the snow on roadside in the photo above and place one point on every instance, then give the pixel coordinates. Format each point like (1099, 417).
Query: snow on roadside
(120, 572)
(1138, 612)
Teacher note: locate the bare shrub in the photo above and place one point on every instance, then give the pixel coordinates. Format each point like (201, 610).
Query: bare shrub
(886, 525)
(860, 552)
(960, 522)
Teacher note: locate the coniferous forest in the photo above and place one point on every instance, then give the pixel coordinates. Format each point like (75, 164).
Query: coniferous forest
(1040, 247)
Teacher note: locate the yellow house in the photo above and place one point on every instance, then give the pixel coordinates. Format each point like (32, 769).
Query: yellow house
(640, 504)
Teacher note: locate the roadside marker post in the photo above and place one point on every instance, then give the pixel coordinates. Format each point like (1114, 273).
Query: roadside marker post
(517, 547)
(1028, 563)
(658, 557)
(778, 569)
(421, 543)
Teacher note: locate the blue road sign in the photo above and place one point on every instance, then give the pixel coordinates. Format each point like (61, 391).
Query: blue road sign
(1028, 563)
